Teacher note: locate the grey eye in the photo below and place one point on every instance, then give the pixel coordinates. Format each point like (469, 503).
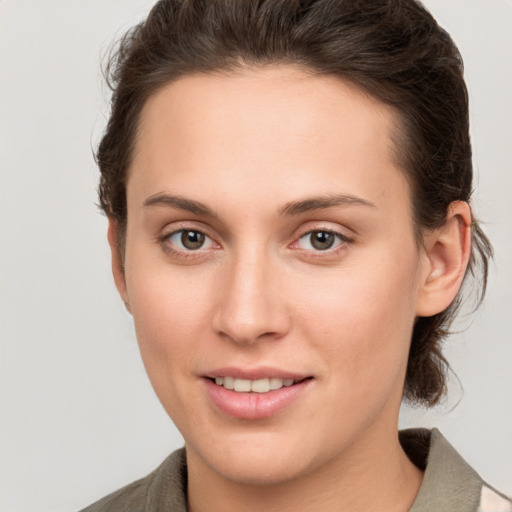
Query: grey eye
(192, 239)
(189, 240)
(320, 240)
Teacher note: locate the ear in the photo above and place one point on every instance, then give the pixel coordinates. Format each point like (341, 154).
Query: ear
(117, 262)
(444, 260)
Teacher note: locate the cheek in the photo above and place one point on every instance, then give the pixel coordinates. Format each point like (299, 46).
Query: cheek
(362, 319)
(170, 310)
(170, 317)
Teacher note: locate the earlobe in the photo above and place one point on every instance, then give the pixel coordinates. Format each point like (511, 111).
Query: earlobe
(117, 262)
(444, 261)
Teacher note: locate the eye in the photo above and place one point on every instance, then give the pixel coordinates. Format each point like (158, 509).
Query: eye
(189, 240)
(321, 240)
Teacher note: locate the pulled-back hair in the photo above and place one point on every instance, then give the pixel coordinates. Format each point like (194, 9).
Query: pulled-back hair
(392, 49)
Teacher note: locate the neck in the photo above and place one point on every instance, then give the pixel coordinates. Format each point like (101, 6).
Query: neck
(371, 476)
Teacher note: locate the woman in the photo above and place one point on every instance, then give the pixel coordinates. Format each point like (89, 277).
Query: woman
(287, 185)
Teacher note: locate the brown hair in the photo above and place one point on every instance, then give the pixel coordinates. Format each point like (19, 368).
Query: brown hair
(392, 49)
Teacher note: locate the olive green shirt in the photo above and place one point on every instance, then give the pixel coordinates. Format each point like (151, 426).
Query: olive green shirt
(449, 483)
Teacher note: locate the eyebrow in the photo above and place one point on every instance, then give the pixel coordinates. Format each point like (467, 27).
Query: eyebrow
(289, 209)
(321, 203)
(180, 203)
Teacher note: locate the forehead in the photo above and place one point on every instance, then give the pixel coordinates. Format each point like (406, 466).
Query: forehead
(276, 124)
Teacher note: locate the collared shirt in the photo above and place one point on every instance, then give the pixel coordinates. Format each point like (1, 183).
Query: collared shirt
(449, 483)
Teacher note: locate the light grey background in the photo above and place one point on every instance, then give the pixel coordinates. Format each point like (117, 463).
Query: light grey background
(78, 416)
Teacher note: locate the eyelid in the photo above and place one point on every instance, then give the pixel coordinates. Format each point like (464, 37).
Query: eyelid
(207, 240)
(343, 238)
(179, 227)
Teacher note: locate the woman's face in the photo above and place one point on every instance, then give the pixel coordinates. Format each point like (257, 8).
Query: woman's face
(270, 241)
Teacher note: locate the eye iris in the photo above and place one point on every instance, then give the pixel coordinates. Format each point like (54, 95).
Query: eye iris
(322, 240)
(192, 239)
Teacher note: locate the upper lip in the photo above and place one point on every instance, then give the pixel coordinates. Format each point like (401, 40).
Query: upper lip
(261, 372)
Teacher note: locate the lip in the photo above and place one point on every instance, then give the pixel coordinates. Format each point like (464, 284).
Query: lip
(254, 406)
(261, 372)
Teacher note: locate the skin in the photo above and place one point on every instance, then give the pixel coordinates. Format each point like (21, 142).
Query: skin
(247, 145)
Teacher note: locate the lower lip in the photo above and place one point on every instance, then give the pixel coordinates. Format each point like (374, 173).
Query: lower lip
(254, 406)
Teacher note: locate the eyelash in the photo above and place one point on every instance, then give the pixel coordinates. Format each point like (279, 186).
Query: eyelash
(342, 240)
(164, 241)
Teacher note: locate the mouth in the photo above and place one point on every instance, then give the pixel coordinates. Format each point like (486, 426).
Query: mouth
(264, 385)
(258, 394)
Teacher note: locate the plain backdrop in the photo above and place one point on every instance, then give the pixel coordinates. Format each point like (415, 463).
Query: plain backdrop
(78, 416)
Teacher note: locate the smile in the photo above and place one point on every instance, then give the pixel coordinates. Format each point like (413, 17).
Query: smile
(255, 398)
(255, 386)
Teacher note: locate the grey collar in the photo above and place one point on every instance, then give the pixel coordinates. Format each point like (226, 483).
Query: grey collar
(449, 483)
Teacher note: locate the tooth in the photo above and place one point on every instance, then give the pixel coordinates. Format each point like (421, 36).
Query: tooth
(219, 380)
(260, 385)
(288, 382)
(276, 383)
(229, 383)
(242, 385)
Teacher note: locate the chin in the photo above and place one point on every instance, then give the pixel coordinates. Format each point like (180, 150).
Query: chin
(251, 469)
(269, 460)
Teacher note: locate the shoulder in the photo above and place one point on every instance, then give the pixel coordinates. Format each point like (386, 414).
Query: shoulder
(130, 497)
(449, 482)
(164, 487)
(492, 500)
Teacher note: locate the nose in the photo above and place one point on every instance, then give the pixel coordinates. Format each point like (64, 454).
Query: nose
(251, 301)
